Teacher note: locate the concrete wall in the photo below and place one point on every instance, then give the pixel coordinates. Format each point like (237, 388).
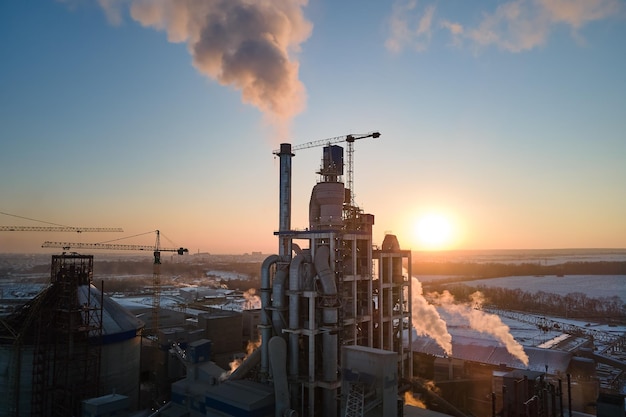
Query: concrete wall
(224, 332)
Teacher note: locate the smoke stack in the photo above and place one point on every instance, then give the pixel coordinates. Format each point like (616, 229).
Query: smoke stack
(284, 220)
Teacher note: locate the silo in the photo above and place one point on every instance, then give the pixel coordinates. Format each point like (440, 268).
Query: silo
(67, 344)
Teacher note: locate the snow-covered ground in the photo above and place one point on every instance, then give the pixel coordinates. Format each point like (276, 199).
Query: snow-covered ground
(594, 286)
(225, 275)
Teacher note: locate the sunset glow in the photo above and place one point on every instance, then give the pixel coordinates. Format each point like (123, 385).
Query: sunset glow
(434, 231)
(484, 141)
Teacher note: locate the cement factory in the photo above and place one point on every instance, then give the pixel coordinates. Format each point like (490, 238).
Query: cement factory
(334, 336)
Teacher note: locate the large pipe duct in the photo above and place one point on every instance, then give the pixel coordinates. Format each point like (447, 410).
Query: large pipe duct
(278, 361)
(325, 274)
(266, 328)
(278, 298)
(294, 310)
(329, 317)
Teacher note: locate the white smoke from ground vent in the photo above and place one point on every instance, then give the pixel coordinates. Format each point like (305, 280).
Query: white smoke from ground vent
(426, 319)
(244, 44)
(483, 322)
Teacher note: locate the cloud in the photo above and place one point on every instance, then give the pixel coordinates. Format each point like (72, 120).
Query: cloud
(406, 29)
(577, 13)
(455, 29)
(243, 44)
(112, 10)
(521, 25)
(515, 25)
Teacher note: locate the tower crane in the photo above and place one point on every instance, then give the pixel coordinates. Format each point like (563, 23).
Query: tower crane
(156, 271)
(54, 228)
(58, 229)
(350, 139)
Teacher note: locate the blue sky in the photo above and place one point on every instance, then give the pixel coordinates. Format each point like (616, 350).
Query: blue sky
(508, 118)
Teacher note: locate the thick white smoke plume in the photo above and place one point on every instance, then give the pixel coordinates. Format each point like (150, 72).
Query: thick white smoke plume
(483, 322)
(426, 319)
(245, 44)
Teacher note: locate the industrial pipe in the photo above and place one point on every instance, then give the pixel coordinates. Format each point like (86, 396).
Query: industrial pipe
(294, 311)
(569, 394)
(329, 317)
(266, 329)
(278, 362)
(325, 274)
(278, 298)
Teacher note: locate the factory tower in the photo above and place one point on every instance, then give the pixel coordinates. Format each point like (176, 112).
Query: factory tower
(330, 296)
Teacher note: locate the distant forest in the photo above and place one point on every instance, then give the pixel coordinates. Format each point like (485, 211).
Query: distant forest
(573, 305)
(495, 270)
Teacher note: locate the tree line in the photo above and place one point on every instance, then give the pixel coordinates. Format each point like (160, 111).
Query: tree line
(494, 269)
(573, 305)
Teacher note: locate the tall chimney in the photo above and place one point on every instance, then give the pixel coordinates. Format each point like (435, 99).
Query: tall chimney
(285, 155)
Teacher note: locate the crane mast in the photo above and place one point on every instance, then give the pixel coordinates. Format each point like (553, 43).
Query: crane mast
(156, 285)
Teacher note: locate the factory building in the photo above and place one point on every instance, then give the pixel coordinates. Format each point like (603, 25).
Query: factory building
(482, 376)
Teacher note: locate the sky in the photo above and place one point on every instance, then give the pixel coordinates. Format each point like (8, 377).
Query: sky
(504, 121)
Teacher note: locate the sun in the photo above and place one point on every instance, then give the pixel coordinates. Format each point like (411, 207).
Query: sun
(434, 231)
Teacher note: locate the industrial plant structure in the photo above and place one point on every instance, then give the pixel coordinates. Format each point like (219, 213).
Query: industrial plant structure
(340, 292)
(65, 345)
(335, 319)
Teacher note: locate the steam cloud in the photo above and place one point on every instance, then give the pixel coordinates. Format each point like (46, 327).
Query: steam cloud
(253, 301)
(245, 44)
(426, 319)
(483, 322)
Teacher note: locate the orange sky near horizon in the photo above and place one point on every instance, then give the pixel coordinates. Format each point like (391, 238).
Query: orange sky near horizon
(508, 125)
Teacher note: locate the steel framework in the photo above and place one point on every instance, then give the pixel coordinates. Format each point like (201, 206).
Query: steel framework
(67, 348)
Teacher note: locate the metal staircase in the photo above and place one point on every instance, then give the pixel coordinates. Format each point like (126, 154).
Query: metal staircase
(354, 405)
